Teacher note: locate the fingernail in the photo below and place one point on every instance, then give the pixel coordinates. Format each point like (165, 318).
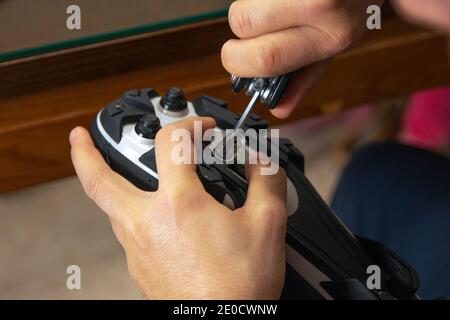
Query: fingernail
(74, 135)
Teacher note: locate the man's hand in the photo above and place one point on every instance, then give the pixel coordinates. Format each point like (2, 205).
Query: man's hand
(431, 13)
(179, 241)
(280, 36)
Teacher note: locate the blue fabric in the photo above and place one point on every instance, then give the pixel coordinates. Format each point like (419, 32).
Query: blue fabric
(400, 196)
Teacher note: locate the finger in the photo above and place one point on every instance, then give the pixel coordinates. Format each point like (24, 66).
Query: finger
(277, 53)
(267, 194)
(253, 18)
(434, 13)
(303, 81)
(175, 151)
(112, 193)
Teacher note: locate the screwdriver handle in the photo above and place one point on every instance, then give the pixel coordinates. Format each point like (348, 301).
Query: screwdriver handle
(278, 89)
(271, 92)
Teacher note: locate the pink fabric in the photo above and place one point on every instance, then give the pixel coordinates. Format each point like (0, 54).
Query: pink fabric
(426, 122)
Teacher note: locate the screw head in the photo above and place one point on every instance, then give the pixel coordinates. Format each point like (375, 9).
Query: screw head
(174, 100)
(148, 126)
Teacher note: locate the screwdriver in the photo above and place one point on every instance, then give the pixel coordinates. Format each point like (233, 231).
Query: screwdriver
(247, 112)
(230, 139)
(268, 91)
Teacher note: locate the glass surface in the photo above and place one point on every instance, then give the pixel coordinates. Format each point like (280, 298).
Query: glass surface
(30, 27)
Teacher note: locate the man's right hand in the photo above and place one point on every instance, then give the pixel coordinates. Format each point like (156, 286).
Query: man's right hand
(280, 36)
(179, 241)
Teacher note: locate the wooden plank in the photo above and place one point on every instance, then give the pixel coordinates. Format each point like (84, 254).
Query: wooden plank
(43, 22)
(34, 124)
(145, 51)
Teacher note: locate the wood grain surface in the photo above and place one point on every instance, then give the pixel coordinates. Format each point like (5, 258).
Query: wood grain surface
(52, 94)
(43, 22)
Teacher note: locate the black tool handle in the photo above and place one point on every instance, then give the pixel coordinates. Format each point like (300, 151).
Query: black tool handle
(278, 90)
(272, 92)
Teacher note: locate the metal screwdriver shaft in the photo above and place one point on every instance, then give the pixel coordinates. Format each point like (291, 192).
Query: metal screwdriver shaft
(227, 154)
(267, 90)
(230, 140)
(247, 112)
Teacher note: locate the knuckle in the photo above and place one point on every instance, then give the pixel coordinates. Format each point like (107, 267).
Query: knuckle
(343, 32)
(335, 42)
(178, 197)
(327, 6)
(345, 37)
(241, 21)
(274, 213)
(93, 185)
(266, 59)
